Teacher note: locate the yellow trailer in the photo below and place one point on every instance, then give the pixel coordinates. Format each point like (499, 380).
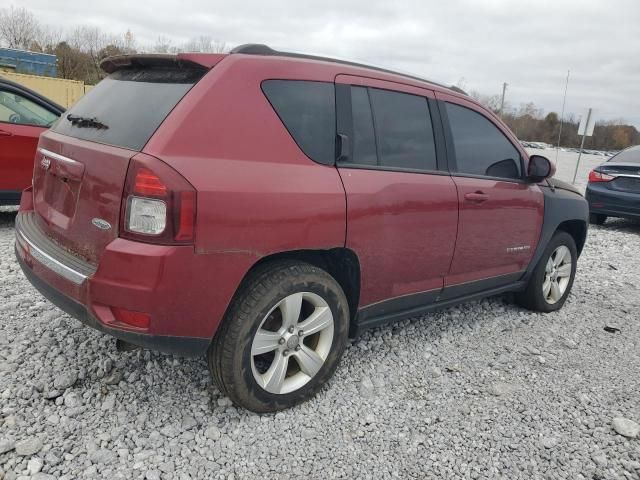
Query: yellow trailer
(60, 90)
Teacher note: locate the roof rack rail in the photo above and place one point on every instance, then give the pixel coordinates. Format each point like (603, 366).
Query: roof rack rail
(261, 49)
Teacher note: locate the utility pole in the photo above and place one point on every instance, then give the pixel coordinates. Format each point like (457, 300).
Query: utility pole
(564, 100)
(504, 90)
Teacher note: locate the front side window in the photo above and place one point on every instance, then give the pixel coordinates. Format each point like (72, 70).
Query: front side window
(15, 108)
(307, 109)
(480, 147)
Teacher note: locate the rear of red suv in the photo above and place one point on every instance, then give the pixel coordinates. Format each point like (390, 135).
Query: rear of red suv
(162, 189)
(110, 230)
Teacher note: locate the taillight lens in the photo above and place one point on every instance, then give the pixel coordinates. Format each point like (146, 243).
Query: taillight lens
(148, 183)
(158, 204)
(596, 176)
(146, 215)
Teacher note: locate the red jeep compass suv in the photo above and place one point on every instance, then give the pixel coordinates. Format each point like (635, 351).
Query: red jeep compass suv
(261, 207)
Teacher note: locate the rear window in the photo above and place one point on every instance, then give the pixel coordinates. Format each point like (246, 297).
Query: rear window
(129, 105)
(630, 155)
(308, 111)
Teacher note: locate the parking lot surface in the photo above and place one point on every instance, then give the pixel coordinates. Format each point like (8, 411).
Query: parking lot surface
(483, 390)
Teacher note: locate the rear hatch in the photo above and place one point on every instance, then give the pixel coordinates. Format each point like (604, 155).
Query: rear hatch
(627, 176)
(81, 163)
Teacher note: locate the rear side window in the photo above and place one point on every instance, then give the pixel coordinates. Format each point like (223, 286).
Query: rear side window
(308, 111)
(403, 130)
(480, 147)
(127, 107)
(402, 125)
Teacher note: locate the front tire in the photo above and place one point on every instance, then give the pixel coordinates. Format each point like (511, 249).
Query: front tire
(282, 338)
(552, 279)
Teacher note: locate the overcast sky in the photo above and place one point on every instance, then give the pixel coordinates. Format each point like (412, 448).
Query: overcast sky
(528, 44)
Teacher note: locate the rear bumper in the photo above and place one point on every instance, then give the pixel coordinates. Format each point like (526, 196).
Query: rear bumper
(612, 203)
(185, 346)
(164, 282)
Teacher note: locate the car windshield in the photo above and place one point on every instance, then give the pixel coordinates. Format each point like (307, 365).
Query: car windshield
(630, 155)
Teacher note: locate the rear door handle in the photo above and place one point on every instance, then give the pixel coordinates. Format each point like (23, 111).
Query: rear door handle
(476, 197)
(4, 133)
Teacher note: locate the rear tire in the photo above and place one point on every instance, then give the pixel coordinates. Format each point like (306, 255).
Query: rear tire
(552, 279)
(261, 357)
(597, 218)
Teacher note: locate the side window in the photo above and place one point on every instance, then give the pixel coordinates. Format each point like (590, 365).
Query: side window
(404, 133)
(480, 147)
(364, 141)
(307, 110)
(17, 109)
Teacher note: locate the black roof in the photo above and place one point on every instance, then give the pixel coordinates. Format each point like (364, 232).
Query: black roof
(261, 49)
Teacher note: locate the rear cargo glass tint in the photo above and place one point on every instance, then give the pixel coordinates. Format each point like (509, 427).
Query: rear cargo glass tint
(630, 155)
(308, 111)
(129, 105)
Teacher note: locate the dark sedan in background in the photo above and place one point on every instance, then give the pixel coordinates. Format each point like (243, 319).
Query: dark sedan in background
(614, 187)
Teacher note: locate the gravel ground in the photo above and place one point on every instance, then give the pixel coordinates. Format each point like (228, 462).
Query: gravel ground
(484, 390)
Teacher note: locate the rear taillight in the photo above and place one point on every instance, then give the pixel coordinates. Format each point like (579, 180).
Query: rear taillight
(596, 176)
(158, 204)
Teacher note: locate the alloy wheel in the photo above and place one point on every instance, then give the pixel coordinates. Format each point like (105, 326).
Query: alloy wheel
(557, 274)
(292, 343)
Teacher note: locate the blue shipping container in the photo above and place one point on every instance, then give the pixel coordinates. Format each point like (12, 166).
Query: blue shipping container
(31, 63)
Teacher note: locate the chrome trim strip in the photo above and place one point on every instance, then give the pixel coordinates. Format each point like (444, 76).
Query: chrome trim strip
(57, 156)
(48, 261)
(628, 175)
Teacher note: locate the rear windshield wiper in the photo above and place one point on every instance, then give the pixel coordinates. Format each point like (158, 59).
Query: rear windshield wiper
(85, 122)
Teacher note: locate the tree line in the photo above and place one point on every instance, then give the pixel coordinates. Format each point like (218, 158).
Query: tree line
(80, 51)
(529, 123)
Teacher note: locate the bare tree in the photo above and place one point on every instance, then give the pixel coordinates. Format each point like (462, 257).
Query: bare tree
(81, 50)
(96, 45)
(19, 28)
(204, 43)
(48, 38)
(492, 102)
(129, 45)
(162, 45)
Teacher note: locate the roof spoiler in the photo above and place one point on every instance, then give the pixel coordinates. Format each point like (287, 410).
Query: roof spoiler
(181, 60)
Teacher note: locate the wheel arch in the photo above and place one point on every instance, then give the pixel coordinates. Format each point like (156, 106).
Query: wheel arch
(341, 263)
(578, 230)
(566, 211)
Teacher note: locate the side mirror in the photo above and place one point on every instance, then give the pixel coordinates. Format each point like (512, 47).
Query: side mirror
(540, 168)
